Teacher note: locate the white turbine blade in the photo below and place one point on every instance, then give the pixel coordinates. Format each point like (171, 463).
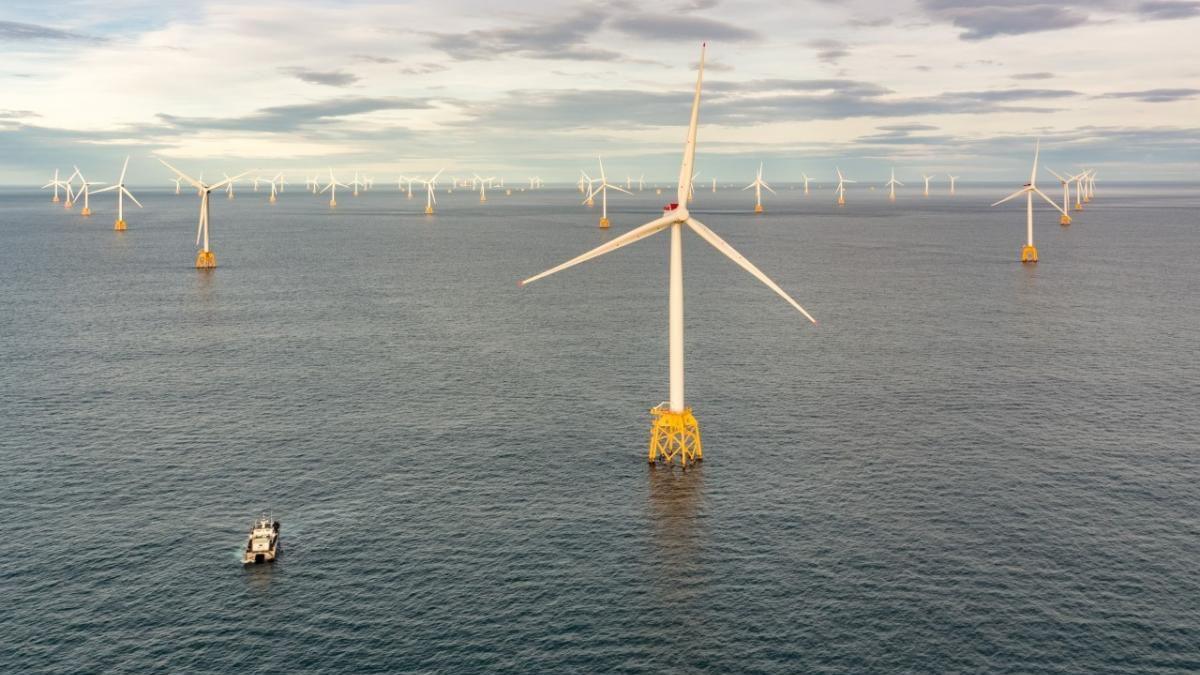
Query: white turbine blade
(749, 186)
(1014, 195)
(1036, 151)
(435, 176)
(731, 253)
(228, 180)
(768, 188)
(847, 180)
(123, 170)
(130, 195)
(689, 146)
(1048, 200)
(111, 187)
(325, 189)
(623, 240)
(603, 177)
(195, 183)
(1052, 173)
(618, 188)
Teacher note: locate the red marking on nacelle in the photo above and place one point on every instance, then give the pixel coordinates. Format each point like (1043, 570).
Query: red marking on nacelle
(670, 207)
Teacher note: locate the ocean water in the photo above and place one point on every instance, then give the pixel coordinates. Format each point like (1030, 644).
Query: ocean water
(970, 465)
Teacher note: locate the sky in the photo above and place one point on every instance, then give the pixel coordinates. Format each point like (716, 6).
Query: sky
(543, 88)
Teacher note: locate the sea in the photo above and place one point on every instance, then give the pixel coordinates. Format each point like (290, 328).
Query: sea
(969, 465)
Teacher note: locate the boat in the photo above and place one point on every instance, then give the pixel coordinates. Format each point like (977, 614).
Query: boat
(263, 543)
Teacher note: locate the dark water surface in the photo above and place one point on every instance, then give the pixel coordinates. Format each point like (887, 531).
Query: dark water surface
(970, 465)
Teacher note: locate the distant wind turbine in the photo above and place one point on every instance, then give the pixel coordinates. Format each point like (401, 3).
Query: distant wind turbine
(1064, 219)
(952, 179)
(1029, 253)
(122, 193)
(56, 184)
(205, 260)
(892, 185)
(927, 179)
(86, 188)
(603, 189)
(332, 188)
(430, 189)
(841, 188)
(758, 185)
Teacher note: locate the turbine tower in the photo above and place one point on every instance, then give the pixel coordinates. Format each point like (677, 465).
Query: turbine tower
(952, 179)
(892, 185)
(1064, 219)
(675, 434)
(228, 188)
(56, 184)
(1029, 253)
(758, 185)
(205, 260)
(122, 193)
(332, 187)
(806, 179)
(927, 179)
(86, 188)
(430, 188)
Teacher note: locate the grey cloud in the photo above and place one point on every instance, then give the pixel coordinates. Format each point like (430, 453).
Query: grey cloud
(423, 69)
(559, 39)
(674, 27)
(1033, 76)
(291, 117)
(329, 78)
(17, 114)
(871, 23)
(1155, 95)
(368, 58)
(907, 127)
(842, 86)
(830, 51)
(983, 20)
(1168, 9)
(13, 31)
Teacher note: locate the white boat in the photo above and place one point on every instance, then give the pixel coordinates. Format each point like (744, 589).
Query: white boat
(263, 543)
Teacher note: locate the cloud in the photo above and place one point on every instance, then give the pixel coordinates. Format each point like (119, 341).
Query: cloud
(329, 78)
(830, 51)
(368, 58)
(1033, 76)
(291, 117)
(1168, 9)
(13, 31)
(1155, 95)
(423, 69)
(984, 20)
(685, 28)
(564, 38)
(872, 23)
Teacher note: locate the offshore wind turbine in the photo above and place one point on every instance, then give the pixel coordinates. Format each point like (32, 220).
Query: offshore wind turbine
(892, 185)
(841, 188)
(641, 182)
(806, 179)
(122, 193)
(758, 185)
(69, 202)
(56, 184)
(205, 260)
(430, 189)
(675, 432)
(1029, 252)
(484, 183)
(357, 183)
(927, 179)
(1064, 219)
(1079, 178)
(332, 187)
(178, 181)
(274, 193)
(714, 185)
(952, 179)
(85, 187)
(603, 189)
(228, 187)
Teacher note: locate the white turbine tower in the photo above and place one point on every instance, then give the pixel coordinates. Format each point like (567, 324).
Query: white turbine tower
(357, 184)
(484, 184)
(69, 202)
(806, 179)
(603, 189)
(1079, 180)
(1064, 219)
(952, 179)
(277, 180)
(228, 187)
(332, 188)
(841, 188)
(588, 181)
(56, 184)
(1028, 252)
(714, 185)
(178, 182)
(205, 260)
(675, 432)
(86, 188)
(641, 182)
(758, 185)
(927, 179)
(122, 193)
(430, 188)
(891, 184)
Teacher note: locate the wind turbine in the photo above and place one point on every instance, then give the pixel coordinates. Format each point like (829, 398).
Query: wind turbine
(1029, 252)
(332, 187)
(85, 188)
(1064, 219)
(54, 183)
(228, 187)
(274, 197)
(430, 188)
(675, 432)
(841, 188)
(603, 189)
(892, 185)
(122, 192)
(641, 182)
(806, 179)
(952, 179)
(410, 182)
(1079, 179)
(714, 185)
(69, 202)
(357, 183)
(628, 182)
(758, 185)
(178, 181)
(484, 183)
(927, 179)
(590, 190)
(205, 260)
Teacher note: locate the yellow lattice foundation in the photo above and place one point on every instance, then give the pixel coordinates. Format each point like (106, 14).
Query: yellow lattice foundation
(429, 210)
(1029, 254)
(1079, 207)
(85, 211)
(675, 435)
(1064, 219)
(205, 260)
(119, 226)
(56, 199)
(758, 208)
(841, 201)
(604, 223)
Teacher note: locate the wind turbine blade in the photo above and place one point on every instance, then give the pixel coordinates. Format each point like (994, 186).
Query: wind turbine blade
(1014, 195)
(619, 189)
(1049, 201)
(749, 186)
(1036, 151)
(768, 188)
(123, 170)
(689, 146)
(195, 183)
(609, 246)
(1052, 173)
(603, 177)
(111, 187)
(130, 195)
(731, 253)
(228, 180)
